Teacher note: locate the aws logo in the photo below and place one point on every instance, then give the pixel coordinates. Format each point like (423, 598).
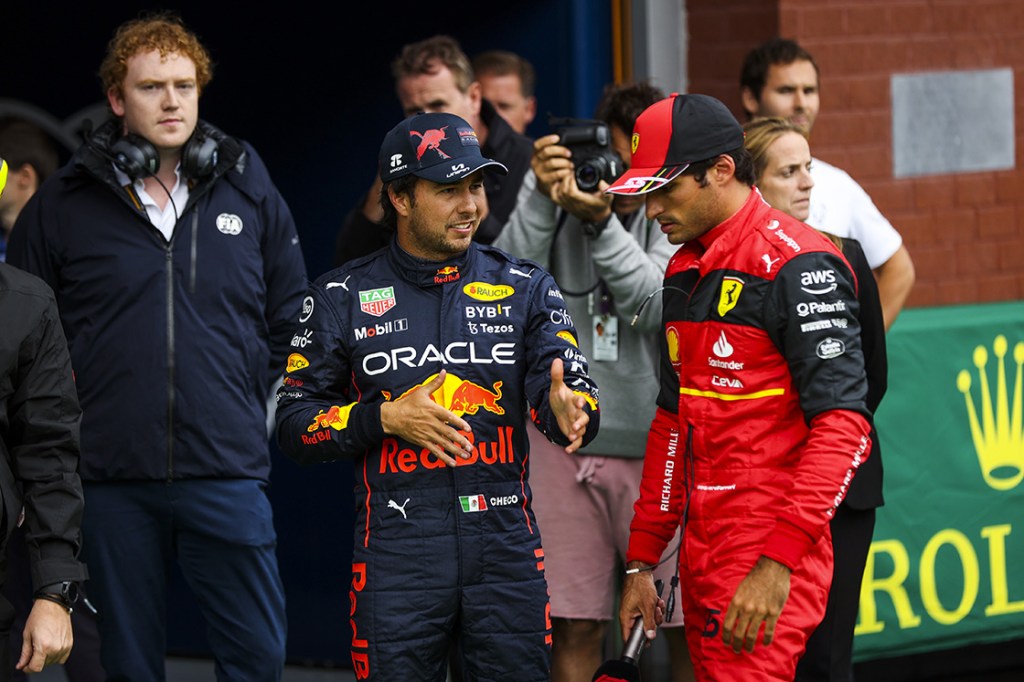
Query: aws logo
(998, 438)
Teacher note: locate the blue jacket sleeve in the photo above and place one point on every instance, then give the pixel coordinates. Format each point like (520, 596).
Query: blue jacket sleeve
(321, 413)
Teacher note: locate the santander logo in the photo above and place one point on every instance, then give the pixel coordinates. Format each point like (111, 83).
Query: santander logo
(722, 347)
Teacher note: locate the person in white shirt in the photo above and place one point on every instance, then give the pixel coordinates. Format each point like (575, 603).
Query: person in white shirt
(780, 78)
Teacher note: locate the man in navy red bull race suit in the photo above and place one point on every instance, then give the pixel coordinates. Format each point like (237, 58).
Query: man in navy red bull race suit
(422, 362)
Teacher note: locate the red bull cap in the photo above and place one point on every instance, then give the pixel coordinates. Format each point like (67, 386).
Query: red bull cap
(439, 147)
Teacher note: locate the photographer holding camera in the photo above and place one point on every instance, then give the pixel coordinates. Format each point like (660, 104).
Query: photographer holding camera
(607, 259)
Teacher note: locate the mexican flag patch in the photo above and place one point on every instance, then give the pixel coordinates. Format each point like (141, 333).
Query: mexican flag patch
(473, 503)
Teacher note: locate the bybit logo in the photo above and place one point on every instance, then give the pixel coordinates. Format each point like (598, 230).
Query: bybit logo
(998, 438)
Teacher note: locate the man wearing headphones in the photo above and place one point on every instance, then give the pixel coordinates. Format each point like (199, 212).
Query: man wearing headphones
(178, 273)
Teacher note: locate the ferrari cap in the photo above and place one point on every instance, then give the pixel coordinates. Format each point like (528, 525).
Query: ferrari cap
(673, 133)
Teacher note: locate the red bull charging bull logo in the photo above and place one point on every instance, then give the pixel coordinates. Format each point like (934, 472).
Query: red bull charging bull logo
(462, 397)
(430, 139)
(336, 417)
(449, 273)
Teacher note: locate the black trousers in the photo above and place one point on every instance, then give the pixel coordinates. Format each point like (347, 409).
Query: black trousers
(829, 654)
(6, 621)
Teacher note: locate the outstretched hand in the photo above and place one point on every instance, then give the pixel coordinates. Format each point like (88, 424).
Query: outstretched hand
(418, 419)
(568, 408)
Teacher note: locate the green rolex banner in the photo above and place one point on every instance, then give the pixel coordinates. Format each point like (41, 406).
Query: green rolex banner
(946, 567)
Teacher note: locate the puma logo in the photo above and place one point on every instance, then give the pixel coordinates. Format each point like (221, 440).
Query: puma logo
(394, 505)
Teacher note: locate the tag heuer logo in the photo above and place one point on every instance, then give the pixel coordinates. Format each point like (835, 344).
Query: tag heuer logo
(376, 302)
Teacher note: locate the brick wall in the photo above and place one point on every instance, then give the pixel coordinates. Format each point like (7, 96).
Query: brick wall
(965, 232)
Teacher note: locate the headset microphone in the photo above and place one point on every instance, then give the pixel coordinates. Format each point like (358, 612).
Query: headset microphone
(625, 669)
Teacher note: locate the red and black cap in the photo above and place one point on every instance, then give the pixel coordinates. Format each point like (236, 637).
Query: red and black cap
(673, 133)
(438, 147)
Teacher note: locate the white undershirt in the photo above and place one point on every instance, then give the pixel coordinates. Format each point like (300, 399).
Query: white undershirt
(166, 218)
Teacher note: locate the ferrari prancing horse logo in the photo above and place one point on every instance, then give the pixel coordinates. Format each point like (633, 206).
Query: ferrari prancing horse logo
(730, 295)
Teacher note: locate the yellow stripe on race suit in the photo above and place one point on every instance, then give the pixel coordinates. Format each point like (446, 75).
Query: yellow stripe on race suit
(733, 396)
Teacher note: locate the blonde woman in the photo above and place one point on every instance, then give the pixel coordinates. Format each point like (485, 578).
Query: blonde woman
(782, 164)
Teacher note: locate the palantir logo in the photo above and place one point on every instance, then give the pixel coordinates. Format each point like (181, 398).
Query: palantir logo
(998, 437)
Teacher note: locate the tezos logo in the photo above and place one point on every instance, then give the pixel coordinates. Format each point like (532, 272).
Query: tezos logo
(229, 223)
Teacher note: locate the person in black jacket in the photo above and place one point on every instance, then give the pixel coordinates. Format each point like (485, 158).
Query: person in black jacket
(33, 156)
(39, 448)
(435, 75)
(178, 271)
(782, 162)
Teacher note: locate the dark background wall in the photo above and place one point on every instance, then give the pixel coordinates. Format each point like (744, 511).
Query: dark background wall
(309, 85)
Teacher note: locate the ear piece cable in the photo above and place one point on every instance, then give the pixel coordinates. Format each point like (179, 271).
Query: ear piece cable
(643, 304)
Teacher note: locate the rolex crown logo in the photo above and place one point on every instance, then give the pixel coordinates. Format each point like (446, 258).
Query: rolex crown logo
(998, 438)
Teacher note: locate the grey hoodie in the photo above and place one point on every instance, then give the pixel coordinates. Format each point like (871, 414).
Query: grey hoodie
(631, 260)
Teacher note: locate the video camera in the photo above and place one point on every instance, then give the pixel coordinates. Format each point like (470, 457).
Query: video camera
(592, 153)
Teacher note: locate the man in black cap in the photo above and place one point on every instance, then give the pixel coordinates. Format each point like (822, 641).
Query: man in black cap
(761, 420)
(420, 363)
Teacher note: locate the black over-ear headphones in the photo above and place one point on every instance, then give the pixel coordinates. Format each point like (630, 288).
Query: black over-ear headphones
(138, 158)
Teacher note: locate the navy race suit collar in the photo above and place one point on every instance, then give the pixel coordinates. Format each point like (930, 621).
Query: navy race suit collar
(428, 273)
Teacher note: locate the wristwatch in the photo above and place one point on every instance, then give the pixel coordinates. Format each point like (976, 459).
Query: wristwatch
(594, 229)
(64, 593)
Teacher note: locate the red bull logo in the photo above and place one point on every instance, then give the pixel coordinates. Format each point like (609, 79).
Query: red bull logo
(430, 139)
(395, 459)
(316, 437)
(360, 646)
(462, 396)
(336, 417)
(449, 273)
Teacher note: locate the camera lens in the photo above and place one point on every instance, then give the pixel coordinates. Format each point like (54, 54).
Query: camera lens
(588, 177)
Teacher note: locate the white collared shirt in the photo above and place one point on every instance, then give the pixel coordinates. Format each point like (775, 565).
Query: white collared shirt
(841, 206)
(166, 218)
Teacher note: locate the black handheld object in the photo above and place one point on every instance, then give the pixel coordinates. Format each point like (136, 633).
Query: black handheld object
(625, 669)
(592, 153)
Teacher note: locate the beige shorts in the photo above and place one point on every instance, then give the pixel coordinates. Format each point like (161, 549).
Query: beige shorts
(584, 505)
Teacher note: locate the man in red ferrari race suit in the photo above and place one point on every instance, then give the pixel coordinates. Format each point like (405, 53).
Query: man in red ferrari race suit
(761, 422)
(463, 343)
